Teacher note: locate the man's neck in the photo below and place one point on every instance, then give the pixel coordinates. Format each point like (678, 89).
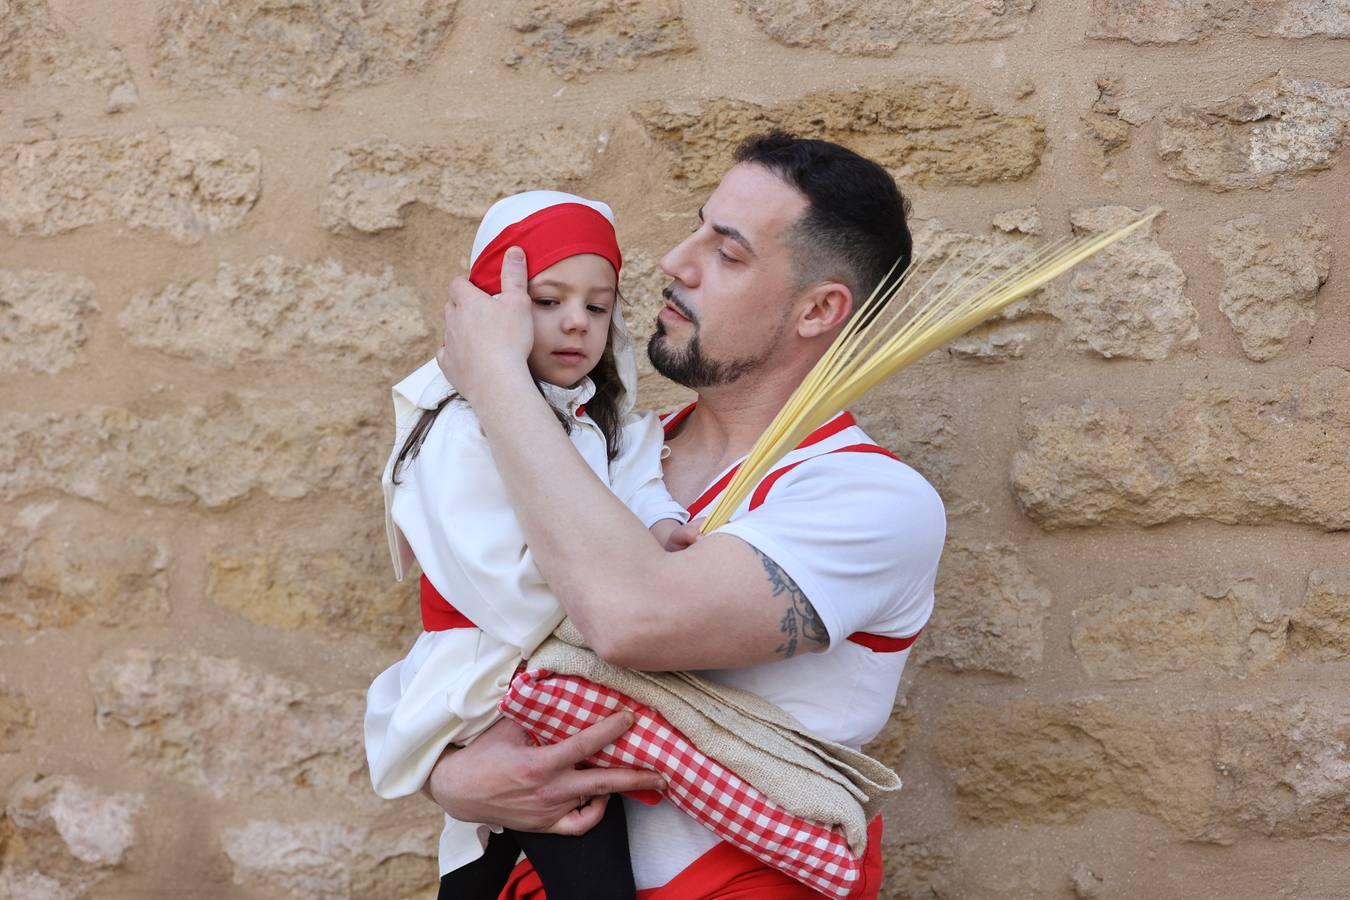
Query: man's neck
(722, 429)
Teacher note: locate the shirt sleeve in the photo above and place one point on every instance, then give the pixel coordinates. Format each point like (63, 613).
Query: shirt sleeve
(453, 509)
(635, 474)
(861, 534)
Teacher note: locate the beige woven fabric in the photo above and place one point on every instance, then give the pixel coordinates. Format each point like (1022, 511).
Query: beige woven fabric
(807, 775)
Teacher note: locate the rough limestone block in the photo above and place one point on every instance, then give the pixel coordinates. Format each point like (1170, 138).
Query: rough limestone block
(1188, 21)
(299, 51)
(1243, 456)
(231, 729)
(1109, 128)
(1269, 286)
(334, 860)
(926, 133)
(580, 37)
(43, 320)
(949, 256)
(17, 719)
(60, 573)
(35, 50)
(1023, 220)
(185, 182)
(212, 455)
(1284, 770)
(63, 837)
(1319, 629)
(274, 310)
(1055, 763)
(989, 613)
(899, 415)
(1128, 300)
(921, 868)
(879, 27)
(372, 183)
(334, 578)
(1239, 630)
(1280, 129)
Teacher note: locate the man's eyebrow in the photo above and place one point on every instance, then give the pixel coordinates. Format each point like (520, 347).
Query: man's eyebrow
(728, 231)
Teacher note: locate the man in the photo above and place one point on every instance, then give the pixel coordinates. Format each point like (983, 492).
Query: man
(812, 594)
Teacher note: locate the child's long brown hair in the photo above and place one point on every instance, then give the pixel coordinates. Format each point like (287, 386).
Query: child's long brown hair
(603, 408)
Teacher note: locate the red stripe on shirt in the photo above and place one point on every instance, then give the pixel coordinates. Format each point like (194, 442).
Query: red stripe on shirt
(829, 429)
(877, 643)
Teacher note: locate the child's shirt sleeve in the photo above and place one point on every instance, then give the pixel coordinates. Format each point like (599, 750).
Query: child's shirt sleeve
(635, 474)
(452, 508)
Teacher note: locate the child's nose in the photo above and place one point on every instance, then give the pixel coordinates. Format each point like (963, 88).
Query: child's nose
(574, 320)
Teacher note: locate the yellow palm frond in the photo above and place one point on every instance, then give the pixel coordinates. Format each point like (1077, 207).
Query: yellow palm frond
(901, 322)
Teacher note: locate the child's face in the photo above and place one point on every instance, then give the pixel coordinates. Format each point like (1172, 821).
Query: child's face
(573, 302)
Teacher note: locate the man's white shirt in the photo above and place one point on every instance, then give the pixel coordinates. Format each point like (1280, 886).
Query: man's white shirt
(861, 534)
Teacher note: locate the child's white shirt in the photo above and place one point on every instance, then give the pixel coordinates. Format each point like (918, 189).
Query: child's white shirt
(450, 512)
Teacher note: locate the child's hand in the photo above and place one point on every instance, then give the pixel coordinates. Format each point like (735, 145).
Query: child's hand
(685, 536)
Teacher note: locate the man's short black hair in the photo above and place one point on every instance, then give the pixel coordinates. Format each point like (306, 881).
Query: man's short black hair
(854, 228)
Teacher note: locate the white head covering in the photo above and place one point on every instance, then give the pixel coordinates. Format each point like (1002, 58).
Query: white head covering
(517, 207)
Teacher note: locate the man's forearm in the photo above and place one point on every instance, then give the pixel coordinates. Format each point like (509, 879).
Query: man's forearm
(711, 606)
(566, 513)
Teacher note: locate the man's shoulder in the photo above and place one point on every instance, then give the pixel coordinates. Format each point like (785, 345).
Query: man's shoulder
(851, 456)
(851, 483)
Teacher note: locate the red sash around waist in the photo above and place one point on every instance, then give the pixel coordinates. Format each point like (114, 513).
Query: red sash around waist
(439, 615)
(725, 873)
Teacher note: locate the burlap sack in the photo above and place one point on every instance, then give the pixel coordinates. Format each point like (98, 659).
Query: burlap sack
(807, 775)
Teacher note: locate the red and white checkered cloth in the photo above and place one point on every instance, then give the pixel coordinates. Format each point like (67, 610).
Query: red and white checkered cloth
(553, 707)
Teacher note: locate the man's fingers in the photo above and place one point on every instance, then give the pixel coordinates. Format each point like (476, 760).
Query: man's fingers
(515, 276)
(592, 740)
(598, 782)
(582, 819)
(459, 288)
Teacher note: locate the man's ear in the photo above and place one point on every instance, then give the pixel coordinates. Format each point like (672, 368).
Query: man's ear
(825, 307)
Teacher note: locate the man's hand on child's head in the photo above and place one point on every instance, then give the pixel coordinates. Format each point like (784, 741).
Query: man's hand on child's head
(487, 338)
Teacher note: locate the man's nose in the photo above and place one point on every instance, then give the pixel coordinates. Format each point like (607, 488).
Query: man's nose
(678, 263)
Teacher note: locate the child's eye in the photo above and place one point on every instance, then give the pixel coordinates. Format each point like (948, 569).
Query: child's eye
(598, 310)
(545, 301)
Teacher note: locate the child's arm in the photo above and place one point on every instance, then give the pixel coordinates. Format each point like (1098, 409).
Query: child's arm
(664, 530)
(635, 478)
(676, 535)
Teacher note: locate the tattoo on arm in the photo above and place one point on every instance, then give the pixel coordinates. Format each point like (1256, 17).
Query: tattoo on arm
(799, 619)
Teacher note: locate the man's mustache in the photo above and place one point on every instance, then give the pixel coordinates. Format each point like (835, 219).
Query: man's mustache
(674, 300)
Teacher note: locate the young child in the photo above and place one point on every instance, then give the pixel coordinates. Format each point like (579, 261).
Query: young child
(485, 606)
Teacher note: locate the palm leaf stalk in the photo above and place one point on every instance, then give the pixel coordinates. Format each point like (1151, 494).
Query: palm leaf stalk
(902, 321)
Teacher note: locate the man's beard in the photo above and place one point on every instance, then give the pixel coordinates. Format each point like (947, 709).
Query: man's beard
(691, 367)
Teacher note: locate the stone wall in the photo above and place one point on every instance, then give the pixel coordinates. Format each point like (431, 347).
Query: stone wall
(225, 229)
